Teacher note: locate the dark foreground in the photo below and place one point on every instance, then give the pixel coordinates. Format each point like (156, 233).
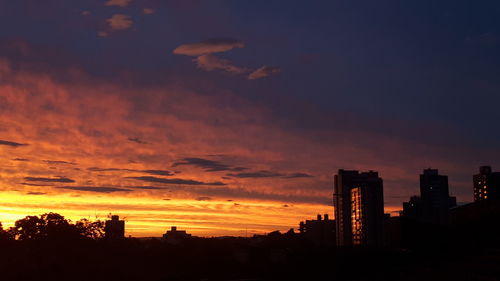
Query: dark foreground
(263, 258)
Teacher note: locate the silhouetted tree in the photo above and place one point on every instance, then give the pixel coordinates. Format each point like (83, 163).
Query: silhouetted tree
(4, 235)
(55, 226)
(29, 228)
(90, 229)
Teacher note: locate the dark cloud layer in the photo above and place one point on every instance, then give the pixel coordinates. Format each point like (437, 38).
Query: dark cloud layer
(174, 181)
(11, 143)
(35, 193)
(152, 172)
(99, 189)
(207, 165)
(298, 175)
(258, 174)
(41, 179)
(138, 140)
(56, 162)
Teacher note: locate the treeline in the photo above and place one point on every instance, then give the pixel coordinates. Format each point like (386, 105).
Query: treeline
(52, 226)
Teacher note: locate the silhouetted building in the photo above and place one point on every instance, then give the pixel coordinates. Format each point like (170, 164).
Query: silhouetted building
(320, 231)
(175, 236)
(114, 228)
(413, 208)
(486, 184)
(359, 208)
(434, 202)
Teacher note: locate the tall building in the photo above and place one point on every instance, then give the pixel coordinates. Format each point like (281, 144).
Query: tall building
(434, 202)
(486, 184)
(435, 196)
(359, 208)
(114, 228)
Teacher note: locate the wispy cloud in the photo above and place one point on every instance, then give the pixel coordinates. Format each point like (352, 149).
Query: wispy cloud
(99, 189)
(209, 46)
(211, 62)
(174, 181)
(120, 22)
(298, 175)
(35, 193)
(258, 174)
(138, 140)
(152, 172)
(207, 165)
(264, 72)
(203, 198)
(11, 143)
(206, 60)
(118, 3)
(57, 162)
(148, 11)
(42, 179)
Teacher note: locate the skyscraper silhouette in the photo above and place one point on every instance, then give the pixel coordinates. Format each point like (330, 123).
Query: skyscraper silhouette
(434, 202)
(114, 228)
(486, 184)
(359, 208)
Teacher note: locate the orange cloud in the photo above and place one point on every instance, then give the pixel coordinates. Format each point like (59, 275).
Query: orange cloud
(208, 47)
(211, 62)
(99, 145)
(264, 72)
(148, 11)
(119, 3)
(120, 22)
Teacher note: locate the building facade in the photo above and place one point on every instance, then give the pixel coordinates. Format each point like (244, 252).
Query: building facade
(359, 208)
(486, 184)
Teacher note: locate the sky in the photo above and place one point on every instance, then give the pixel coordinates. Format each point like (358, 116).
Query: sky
(231, 117)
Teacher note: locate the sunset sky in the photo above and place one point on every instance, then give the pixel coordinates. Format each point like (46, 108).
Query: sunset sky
(231, 117)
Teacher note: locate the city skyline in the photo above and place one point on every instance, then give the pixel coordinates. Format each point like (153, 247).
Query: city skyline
(230, 117)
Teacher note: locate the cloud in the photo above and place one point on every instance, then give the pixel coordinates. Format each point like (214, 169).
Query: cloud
(209, 46)
(118, 3)
(102, 34)
(99, 189)
(203, 198)
(211, 62)
(146, 187)
(174, 181)
(57, 162)
(152, 172)
(21, 159)
(11, 143)
(264, 72)
(35, 193)
(137, 140)
(298, 175)
(206, 60)
(158, 172)
(120, 22)
(35, 184)
(58, 179)
(86, 13)
(259, 174)
(96, 169)
(207, 165)
(148, 11)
